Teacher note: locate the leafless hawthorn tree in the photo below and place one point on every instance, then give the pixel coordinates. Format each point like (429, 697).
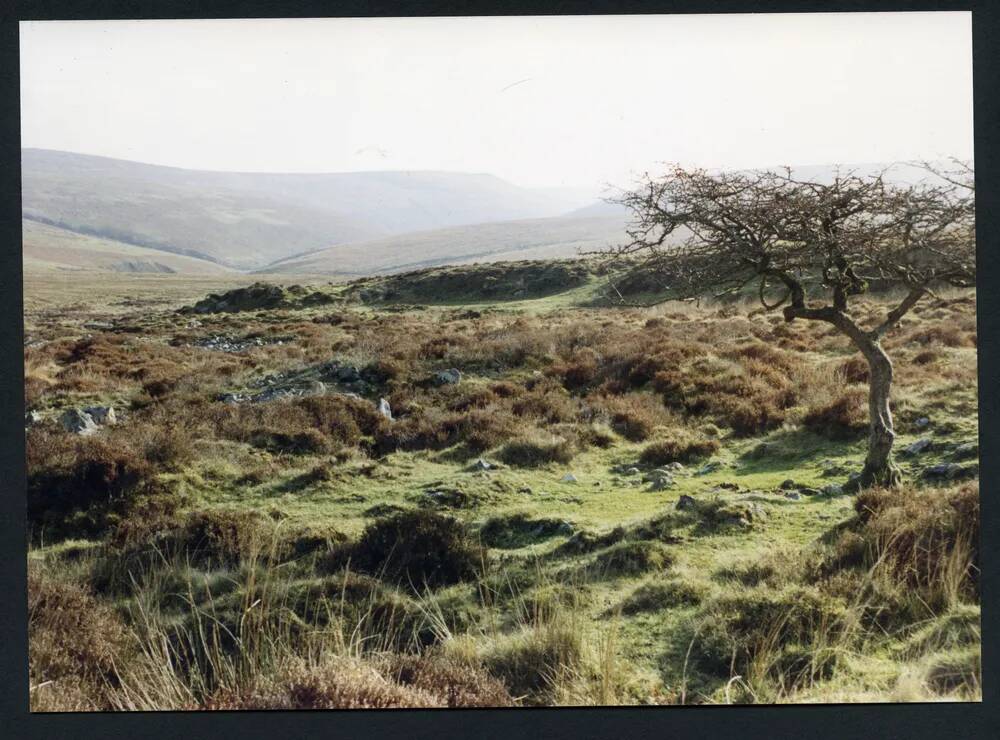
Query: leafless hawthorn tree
(819, 244)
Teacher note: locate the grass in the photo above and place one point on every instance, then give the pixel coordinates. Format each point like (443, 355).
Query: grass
(305, 552)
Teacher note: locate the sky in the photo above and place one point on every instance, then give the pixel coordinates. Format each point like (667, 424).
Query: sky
(582, 101)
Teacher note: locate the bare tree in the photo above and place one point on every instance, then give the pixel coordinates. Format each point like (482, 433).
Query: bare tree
(819, 244)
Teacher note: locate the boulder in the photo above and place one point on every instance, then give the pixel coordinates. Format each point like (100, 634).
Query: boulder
(78, 421)
(709, 467)
(967, 451)
(922, 423)
(950, 471)
(482, 464)
(102, 414)
(918, 447)
(385, 409)
(685, 502)
(788, 485)
(662, 484)
(792, 495)
(451, 376)
(569, 478)
(833, 489)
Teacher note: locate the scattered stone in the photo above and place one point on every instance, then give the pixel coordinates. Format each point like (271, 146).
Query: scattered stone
(662, 484)
(788, 485)
(318, 388)
(31, 418)
(922, 423)
(386, 410)
(78, 421)
(450, 376)
(674, 467)
(729, 486)
(918, 447)
(99, 325)
(632, 471)
(524, 489)
(967, 451)
(792, 495)
(834, 489)
(709, 467)
(482, 464)
(809, 491)
(685, 502)
(950, 471)
(569, 478)
(102, 414)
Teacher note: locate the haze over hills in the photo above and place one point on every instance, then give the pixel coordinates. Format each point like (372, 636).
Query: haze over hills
(248, 220)
(48, 247)
(545, 238)
(82, 211)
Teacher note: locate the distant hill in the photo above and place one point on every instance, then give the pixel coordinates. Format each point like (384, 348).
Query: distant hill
(531, 239)
(51, 248)
(248, 220)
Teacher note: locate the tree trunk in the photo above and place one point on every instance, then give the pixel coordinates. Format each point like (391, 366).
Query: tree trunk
(879, 468)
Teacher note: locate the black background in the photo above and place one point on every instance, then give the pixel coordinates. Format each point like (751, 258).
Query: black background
(940, 720)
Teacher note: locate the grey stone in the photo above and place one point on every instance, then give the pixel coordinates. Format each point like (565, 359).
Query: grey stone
(662, 484)
(709, 467)
(385, 409)
(102, 414)
(809, 491)
(945, 471)
(78, 421)
(922, 423)
(967, 451)
(451, 376)
(482, 464)
(685, 502)
(792, 495)
(787, 485)
(569, 478)
(918, 447)
(833, 489)
(31, 418)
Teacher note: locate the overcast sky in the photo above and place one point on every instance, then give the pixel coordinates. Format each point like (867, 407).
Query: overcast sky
(549, 101)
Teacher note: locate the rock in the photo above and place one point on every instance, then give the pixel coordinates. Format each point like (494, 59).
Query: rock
(102, 414)
(834, 471)
(787, 485)
(524, 489)
(674, 467)
(918, 447)
(809, 491)
(385, 409)
(347, 374)
(662, 484)
(632, 471)
(709, 467)
(922, 423)
(967, 451)
(950, 471)
(729, 486)
(569, 478)
(833, 489)
(685, 502)
(565, 528)
(317, 388)
(450, 376)
(78, 421)
(231, 398)
(31, 418)
(792, 495)
(482, 464)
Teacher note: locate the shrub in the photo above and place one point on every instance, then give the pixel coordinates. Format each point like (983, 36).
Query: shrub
(630, 559)
(854, 370)
(533, 452)
(73, 639)
(844, 418)
(680, 447)
(656, 596)
(418, 548)
(459, 683)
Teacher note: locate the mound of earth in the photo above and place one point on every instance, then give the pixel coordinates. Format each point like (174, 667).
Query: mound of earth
(260, 296)
(495, 282)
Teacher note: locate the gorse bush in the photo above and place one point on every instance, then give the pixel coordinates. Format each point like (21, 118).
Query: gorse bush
(420, 548)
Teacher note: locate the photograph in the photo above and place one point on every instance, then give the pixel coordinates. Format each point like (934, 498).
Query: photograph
(499, 361)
